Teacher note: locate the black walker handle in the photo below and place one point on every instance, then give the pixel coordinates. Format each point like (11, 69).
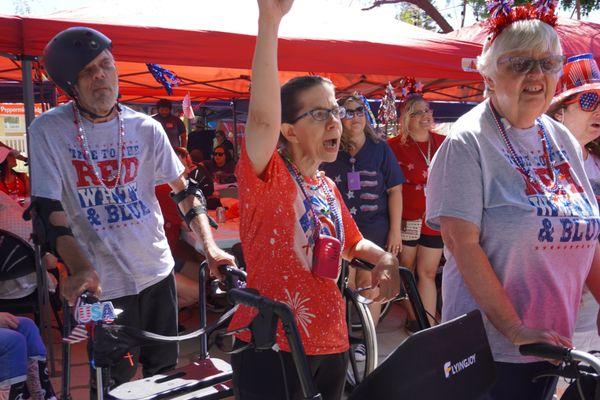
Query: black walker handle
(247, 298)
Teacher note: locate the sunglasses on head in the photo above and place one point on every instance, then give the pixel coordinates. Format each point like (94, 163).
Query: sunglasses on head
(588, 101)
(524, 65)
(357, 112)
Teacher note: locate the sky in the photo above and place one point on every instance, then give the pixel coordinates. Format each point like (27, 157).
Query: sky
(449, 8)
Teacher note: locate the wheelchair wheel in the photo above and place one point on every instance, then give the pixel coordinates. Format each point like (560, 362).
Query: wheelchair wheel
(364, 335)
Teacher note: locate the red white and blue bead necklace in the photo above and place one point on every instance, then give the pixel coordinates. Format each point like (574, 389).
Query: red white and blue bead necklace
(553, 172)
(85, 148)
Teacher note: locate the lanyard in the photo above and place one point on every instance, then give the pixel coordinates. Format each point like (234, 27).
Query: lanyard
(428, 157)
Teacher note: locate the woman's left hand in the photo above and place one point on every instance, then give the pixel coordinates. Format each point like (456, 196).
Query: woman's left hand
(386, 276)
(394, 241)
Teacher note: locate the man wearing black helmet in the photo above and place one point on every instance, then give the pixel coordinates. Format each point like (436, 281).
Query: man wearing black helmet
(94, 165)
(172, 125)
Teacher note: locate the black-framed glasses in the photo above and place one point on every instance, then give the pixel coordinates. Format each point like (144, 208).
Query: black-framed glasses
(357, 112)
(588, 101)
(419, 113)
(322, 114)
(524, 65)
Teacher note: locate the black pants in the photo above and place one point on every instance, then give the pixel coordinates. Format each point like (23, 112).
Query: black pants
(259, 375)
(154, 310)
(514, 382)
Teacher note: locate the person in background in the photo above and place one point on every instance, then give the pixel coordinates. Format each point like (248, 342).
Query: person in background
(518, 216)
(200, 143)
(23, 369)
(172, 125)
(13, 183)
(222, 140)
(294, 226)
(414, 148)
(187, 259)
(221, 166)
(367, 174)
(577, 107)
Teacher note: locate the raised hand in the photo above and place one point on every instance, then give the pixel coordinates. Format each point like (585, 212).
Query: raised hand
(274, 9)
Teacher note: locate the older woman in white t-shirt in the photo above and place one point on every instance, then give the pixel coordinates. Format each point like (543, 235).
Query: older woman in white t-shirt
(517, 214)
(577, 106)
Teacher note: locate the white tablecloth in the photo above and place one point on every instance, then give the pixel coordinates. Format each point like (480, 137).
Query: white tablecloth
(226, 236)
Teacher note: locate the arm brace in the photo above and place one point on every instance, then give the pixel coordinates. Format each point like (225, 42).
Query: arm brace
(45, 233)
(192, 189)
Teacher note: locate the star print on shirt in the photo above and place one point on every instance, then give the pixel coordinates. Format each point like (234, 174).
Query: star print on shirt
(350, 194)
(425, 174)
(419, 187)
(353, 211)
(410, 166)
(338, 179)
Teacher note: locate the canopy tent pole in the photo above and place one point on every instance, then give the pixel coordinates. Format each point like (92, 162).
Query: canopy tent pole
(42, 277)
(235, 131)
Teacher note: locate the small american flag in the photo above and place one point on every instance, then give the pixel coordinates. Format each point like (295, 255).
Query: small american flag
(186, 105)
(78, 334)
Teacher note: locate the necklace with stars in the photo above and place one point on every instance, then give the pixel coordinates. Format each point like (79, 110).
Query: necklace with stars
(555, 187)
(85, 148)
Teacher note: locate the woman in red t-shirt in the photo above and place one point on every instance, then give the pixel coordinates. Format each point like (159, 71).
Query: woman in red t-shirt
(289, 214)
(414, 148)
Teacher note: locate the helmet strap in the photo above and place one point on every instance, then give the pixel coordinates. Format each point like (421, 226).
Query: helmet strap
(90, 114)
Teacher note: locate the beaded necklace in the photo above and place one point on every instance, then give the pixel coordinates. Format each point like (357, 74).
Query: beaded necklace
(85, 148)
(553, 172)
(337, 219)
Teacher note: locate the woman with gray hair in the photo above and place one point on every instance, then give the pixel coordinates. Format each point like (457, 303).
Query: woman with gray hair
(517, 213)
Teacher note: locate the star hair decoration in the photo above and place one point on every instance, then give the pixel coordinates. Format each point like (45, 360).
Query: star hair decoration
(502, 14)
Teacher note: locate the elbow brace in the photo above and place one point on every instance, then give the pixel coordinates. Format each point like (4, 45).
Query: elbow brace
(192, 189)
(45, 233)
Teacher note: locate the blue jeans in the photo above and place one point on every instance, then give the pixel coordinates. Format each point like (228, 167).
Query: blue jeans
(16, 347)
(514, 382)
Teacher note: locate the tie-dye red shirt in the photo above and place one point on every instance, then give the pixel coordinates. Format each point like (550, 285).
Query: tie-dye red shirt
(275, 230)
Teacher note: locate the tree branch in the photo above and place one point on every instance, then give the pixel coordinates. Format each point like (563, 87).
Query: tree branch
(424, 5)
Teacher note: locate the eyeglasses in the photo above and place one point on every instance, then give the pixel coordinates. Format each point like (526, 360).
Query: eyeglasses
(219, 154)
(322, 114)
(357, 112)
(588, 101)
(420, 113)
(524, 65)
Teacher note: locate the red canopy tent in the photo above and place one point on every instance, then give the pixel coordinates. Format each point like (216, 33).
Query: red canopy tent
(576, 37)
(362, 54)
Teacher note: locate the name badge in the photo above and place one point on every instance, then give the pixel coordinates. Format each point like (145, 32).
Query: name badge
(354, 180)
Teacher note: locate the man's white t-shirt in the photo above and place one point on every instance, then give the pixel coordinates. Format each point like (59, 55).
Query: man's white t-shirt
(120, 231)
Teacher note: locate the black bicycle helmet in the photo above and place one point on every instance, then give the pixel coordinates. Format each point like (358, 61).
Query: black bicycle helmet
(164, 103)
(70, 51)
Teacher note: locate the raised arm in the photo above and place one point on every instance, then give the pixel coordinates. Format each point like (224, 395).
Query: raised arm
(264, 114)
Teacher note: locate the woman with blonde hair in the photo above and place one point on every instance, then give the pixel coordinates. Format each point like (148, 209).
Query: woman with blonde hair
(414, 148)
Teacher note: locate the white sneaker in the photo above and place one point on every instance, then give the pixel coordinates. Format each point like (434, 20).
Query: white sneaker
(360, 353)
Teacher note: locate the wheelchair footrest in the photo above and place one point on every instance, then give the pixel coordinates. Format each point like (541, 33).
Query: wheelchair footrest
(211, 374)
